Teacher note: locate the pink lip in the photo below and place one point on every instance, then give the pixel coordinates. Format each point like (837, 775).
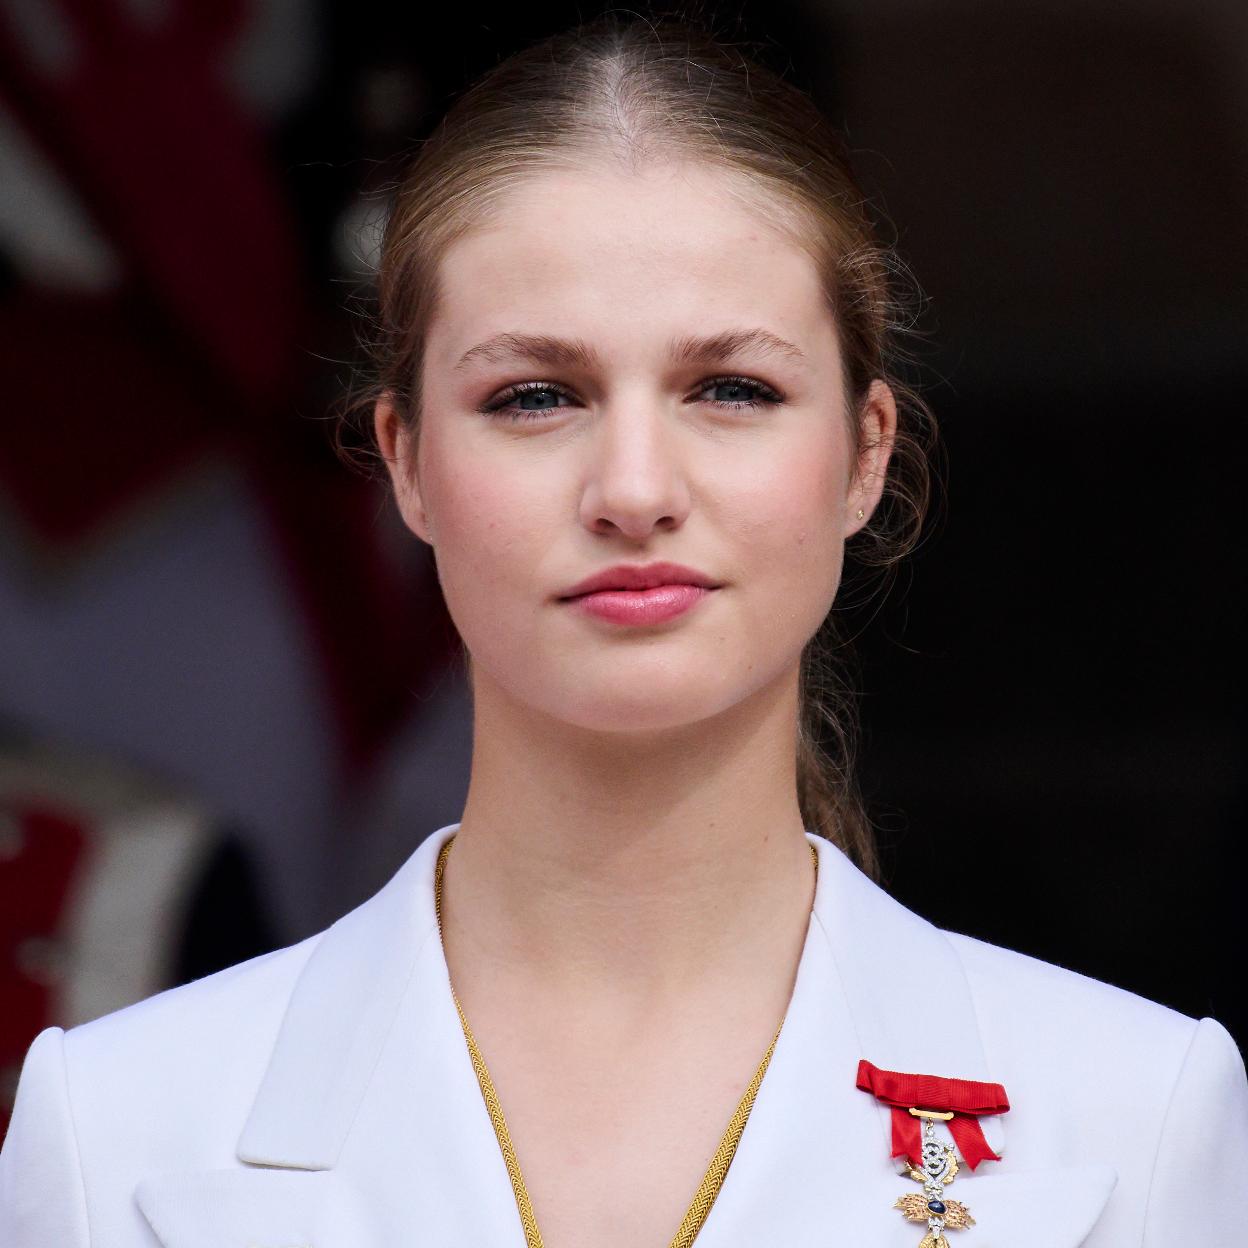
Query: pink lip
(640, 576)
(641, 594)
(641, 606)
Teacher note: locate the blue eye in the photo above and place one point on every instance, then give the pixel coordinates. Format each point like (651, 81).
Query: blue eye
(530, 400)
(736, 392)
(527, 401)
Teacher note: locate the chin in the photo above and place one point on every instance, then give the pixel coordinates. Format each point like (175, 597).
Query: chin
(628, 704)
(630, 718)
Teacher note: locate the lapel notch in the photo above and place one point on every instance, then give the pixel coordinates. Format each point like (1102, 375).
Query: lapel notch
(324, 1058)
(286, 1193)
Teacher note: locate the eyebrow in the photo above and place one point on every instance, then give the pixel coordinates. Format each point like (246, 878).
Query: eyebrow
(573, 352)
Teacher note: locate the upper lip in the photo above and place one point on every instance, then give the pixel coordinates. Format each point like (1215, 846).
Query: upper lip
(640, 576)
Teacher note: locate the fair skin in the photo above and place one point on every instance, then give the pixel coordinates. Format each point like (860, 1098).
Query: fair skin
(628, 895)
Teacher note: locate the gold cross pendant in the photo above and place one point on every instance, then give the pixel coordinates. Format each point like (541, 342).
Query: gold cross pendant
(938, 1167)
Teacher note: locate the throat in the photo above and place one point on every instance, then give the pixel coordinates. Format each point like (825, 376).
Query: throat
(631, 931)
(615, 1107)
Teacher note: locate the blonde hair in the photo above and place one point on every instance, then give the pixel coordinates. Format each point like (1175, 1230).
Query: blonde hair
(632, 90)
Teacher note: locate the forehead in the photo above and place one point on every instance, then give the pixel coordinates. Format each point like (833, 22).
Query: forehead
(631, 258)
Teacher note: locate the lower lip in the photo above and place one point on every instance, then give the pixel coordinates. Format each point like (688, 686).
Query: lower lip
(641, 606)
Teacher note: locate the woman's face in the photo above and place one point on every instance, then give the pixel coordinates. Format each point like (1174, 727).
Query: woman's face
(627, 368)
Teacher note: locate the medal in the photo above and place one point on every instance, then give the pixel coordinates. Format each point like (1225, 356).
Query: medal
(937, 1169)
(918, 1102)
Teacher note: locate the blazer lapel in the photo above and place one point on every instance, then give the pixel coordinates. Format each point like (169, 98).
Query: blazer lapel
(369, 1128)
(813, 1168)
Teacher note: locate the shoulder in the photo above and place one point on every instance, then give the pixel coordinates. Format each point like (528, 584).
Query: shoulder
(242, 999)
(1103, 1056)
(199, 1054)
(183, 1066)
(1112, 1077)
(1056, 1024)
(223, 1025)
(1029, 996)
(167, 1081)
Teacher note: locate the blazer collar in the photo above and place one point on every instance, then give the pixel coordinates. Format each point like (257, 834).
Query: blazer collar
(324, 1060)
(371, 1129)
(907, 999)
(813, 1166)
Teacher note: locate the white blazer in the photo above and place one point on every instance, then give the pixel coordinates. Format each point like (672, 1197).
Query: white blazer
(322, 1096)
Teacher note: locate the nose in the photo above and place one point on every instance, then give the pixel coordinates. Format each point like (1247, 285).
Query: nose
(636, 479)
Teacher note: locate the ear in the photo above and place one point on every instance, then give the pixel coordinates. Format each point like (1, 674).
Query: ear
(397, 445)
(877, 422)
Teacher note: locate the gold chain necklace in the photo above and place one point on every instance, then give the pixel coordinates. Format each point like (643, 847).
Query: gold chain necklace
(712, 1180)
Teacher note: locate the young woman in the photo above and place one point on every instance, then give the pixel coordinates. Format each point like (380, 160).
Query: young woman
(636, 395)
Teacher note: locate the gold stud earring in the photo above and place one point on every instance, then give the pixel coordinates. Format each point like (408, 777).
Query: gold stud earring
(860, 513)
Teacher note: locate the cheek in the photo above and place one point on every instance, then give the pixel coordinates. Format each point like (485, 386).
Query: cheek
(791, 511)
(488, 522)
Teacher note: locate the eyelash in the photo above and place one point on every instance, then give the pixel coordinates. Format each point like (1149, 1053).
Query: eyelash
(767, 397)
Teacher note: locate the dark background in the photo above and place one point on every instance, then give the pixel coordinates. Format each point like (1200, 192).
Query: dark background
(1052, 695)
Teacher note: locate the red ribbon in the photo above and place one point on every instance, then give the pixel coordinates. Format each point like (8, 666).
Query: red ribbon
(966, 1099)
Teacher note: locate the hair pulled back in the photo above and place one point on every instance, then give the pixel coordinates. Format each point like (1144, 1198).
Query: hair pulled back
(632, 90)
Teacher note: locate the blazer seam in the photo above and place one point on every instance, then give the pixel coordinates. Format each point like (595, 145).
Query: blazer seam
(385, 1040)
(827, 940)
(73, 1126)
(947, 937)
(1161, 1132)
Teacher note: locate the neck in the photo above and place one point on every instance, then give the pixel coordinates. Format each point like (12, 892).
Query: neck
(591, 866)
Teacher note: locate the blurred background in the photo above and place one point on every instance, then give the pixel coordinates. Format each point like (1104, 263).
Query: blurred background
(230, 703)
